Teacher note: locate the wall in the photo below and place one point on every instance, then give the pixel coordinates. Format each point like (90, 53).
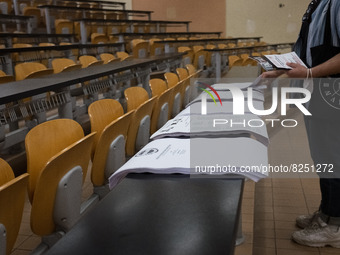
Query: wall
(205, 15)
(128, 4)
(265, 18)
(234, 17)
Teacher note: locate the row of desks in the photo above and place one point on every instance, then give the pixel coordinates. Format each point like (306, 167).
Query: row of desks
(60, 84)
(150, 214)
(160, 214)
(21, 89)
(65, 51)
(158, 23)
(239, 50)
(18, 20)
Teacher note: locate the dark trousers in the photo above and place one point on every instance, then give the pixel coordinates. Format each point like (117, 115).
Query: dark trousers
(324, 142)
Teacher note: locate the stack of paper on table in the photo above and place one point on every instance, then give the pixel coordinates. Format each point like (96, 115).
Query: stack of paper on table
(195, 108)
(256, 85)
(214, 125)
(197, 156)
(226, 96)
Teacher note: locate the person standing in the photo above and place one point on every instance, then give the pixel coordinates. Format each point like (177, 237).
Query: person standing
(318, 45)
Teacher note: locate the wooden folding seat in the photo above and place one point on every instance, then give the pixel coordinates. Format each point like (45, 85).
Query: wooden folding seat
(140, 49)
(256, 54)
(182, 73)
(31, 70)
(98, 29)
(137, 99)
(58, 156)
(113, 29)
(95, 5)
(35, 13)
(77, 31)
(260, 43)
(193, 73)
(160, 114)
(74, 52)
(6, 6)
(184, 77)
(111, 126)
(102, 113)
(210, 56)
(171, 46)
(4, 78)
(155, 48)
(189, 56)
(248, 61)
(87, 61)
(222, 46)
(68, 3)
(113, 39)
(97, 38)
(12, 199)
(63, 26)
(123, 56)
(235, 61)
(199, 58)
(132, 43)
(231, 45)
(150, 28)
(24, 56)
(125, 28)
(35, 3)
(110, 15)
(197, 48)
(139, 28)
(97, 14)
(162, 28)
(241, 44)
(47, 56)
(172, 81)
(191, 70)
(108, 58)
(121, 16)
(22, 4)
(64, 65)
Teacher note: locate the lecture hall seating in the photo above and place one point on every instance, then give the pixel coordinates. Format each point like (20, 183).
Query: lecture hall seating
(117, 136)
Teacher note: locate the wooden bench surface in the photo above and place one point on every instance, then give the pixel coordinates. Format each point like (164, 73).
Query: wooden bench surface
(160, 214)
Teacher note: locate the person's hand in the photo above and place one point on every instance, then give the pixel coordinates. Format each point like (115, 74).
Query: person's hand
(297, 71)
(272, 74)
(267, 78)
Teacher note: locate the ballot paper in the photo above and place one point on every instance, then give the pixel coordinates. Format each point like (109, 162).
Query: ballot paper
(198, 156)
(214, 125)
(195, 108)
(225, 95)
(278, 61)
(241, 85)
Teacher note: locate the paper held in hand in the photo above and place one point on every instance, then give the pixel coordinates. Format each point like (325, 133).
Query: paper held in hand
(278, 61)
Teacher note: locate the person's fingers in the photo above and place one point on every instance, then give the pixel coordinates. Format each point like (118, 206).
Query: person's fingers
(292, 65)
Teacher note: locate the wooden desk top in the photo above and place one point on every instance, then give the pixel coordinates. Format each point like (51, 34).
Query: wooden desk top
(57, 47)
(21, 89)
(61, 7)
(149, 214)
(87, 20)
